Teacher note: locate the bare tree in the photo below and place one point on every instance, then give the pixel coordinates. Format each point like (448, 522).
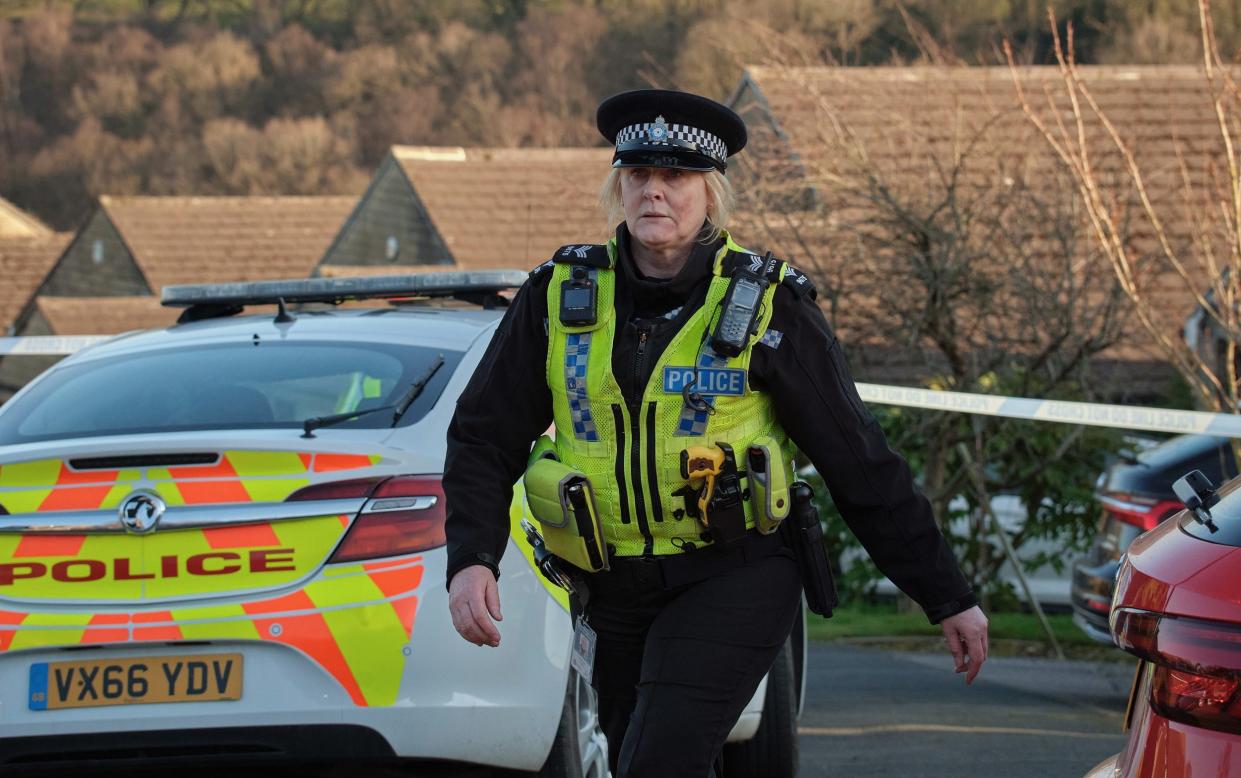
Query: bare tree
(1195, 237)
(952, 256)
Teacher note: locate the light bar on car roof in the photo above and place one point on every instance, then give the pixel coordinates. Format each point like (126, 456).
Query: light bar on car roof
(332, 290)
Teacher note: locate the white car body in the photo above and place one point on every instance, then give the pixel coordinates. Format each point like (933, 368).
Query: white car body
(426, 695)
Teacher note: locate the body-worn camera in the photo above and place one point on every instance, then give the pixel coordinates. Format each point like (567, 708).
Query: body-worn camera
(579, 299)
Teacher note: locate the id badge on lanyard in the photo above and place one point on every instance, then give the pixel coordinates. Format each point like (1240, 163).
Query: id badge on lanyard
(583, 657)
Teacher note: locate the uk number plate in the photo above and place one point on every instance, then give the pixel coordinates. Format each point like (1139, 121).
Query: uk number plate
(93, 683)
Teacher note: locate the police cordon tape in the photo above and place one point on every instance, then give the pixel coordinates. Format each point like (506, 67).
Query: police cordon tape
(1125, 417)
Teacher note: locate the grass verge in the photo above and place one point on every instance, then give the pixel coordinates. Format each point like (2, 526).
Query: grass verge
(1011, 633)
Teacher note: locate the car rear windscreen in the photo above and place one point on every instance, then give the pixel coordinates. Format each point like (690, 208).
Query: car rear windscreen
(227, 386)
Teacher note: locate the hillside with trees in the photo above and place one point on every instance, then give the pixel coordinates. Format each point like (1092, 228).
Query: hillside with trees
(305, 96)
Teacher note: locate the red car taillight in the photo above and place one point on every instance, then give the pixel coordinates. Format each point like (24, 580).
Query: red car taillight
(1200, 700)
(404, 515)
(1197, 665)
(335, 490)
(1144, 513)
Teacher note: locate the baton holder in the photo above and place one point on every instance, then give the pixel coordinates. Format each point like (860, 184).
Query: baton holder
(803, 532)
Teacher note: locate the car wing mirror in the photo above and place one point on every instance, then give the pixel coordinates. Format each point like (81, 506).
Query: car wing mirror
(1198, 495)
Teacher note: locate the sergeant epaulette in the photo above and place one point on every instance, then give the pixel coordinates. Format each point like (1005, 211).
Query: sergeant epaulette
(538, 270)
(768, 267)
(589, 254)
(798, 282)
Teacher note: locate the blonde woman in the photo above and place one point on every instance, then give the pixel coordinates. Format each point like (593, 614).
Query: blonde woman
(673, 348)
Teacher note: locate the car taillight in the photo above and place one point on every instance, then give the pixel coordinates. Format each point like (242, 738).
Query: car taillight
(1144, 513)
(1197, 665)
(335, 490)
(1097, 605)
(404, 515)
(1200, 700)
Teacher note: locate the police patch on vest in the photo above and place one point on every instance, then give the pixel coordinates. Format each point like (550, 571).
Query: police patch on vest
(711, 380)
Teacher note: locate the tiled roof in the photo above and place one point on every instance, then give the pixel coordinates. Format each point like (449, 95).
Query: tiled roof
(502, 208)
(938, 106)
(901, 118)
(911, 124)
(16, 223)
(24, 262)
(179, 240)
(104, 315)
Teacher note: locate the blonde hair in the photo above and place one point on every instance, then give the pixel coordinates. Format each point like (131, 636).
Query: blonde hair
(720, 201)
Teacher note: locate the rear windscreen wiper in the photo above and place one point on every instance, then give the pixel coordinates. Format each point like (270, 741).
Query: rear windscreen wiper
(315, 422)
(398, 408)
(415, 389)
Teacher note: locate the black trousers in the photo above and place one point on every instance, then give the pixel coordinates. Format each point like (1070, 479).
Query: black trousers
(677, 660)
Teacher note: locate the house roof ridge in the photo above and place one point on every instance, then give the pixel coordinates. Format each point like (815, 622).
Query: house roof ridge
(37, 227)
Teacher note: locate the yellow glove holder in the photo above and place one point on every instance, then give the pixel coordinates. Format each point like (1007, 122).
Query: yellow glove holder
(562, 501)
(769, 487)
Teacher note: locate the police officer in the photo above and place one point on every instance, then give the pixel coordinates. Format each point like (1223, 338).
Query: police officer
(631, 372)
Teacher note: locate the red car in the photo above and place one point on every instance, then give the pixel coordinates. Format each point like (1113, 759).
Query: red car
(1177, 608)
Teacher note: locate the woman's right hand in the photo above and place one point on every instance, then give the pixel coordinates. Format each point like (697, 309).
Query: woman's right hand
(473, 601)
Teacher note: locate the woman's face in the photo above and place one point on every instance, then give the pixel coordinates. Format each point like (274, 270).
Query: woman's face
(664, 207)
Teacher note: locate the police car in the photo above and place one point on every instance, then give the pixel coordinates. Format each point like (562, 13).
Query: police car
(225, 540)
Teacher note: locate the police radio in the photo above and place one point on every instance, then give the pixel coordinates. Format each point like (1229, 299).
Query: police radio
(739, 313)
(578, 299)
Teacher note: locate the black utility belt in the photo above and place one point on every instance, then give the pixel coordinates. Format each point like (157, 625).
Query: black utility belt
(673, 570)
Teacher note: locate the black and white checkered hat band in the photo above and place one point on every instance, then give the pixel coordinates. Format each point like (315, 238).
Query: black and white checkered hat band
(706, 143)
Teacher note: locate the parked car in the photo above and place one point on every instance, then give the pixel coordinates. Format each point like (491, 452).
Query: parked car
(1176, 609)
(224, 540)
(1136, 496)
(1050, 586)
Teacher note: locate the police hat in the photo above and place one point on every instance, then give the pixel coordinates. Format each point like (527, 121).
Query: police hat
(662, 128)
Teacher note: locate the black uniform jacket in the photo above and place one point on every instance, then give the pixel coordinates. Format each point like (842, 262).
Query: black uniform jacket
(507, 405)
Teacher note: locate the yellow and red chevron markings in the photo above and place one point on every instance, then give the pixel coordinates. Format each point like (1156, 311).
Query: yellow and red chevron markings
(238, 476)
(355, 621)
(169, 564)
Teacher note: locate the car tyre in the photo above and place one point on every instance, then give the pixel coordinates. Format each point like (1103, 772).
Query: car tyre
(580, 749)
(772, 752)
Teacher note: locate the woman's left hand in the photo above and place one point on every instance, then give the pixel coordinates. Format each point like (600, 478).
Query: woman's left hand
(966, 634)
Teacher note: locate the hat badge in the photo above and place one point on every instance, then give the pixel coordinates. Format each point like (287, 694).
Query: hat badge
(658, 130)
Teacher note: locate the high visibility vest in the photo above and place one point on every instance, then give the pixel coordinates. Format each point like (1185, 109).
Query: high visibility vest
(632, 454)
